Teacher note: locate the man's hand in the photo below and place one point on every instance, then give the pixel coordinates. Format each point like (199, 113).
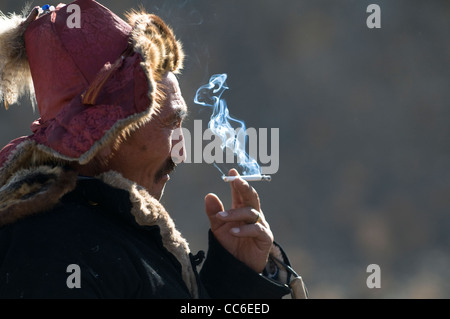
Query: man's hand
(236, 229)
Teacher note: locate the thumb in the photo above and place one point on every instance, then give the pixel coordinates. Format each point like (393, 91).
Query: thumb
(213, 205)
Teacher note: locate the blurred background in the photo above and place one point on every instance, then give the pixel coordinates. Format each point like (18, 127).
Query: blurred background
(364, 122)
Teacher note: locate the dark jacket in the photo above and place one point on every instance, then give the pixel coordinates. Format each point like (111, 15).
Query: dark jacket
(92, 228)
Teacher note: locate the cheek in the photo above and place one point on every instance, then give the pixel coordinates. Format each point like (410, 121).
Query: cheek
(158, 143)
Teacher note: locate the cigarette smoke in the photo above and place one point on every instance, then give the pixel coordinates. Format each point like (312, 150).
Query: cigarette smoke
(235, 139)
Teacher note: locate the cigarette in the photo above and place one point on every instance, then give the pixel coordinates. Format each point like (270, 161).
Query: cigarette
(249, 178)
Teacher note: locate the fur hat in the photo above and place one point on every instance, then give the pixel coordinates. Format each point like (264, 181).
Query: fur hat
(93, 83)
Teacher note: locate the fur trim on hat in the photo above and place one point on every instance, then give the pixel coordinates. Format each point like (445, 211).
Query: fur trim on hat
(15, 75)
(26, 155)
(156, 42)
(31, 191)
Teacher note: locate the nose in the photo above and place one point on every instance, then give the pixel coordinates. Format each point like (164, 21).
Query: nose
(178, 153)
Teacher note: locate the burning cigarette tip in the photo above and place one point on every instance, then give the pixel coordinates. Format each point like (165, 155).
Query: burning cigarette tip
(249, 178)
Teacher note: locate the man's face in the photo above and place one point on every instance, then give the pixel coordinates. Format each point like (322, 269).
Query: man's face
(145, 157)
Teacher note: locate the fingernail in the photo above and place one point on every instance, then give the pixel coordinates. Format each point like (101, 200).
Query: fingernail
(223, 214)
(235, 230)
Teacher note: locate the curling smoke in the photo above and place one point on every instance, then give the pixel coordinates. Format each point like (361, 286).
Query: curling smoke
(234, 139)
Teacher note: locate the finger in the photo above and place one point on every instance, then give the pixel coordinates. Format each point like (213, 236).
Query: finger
(242, 193)
(247, 215)
(256, 231)
(213, 205)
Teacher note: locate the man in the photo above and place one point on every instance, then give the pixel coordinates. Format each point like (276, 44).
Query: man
(80, 215)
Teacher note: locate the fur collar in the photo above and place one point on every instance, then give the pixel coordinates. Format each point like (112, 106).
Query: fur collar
(149, 212)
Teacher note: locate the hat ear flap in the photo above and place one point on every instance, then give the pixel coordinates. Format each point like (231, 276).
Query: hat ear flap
(15, 75)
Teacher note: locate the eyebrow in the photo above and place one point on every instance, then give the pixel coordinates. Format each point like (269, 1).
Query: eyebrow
(180, 113)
